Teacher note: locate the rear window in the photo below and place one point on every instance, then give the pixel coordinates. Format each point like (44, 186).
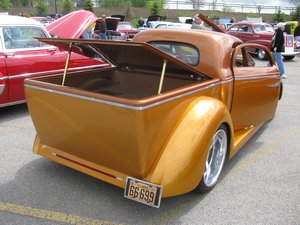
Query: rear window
(186, 53)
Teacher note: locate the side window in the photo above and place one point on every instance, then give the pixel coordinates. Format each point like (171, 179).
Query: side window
(234, 28)
(248, 57)
(22, 37)
(245, 29)
(260, 28)
(186, 53)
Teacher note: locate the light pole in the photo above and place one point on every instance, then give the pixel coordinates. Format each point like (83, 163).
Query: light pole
(55, 6)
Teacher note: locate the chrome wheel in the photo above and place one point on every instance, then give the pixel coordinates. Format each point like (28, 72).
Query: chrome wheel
(215, 158)
(261, 54)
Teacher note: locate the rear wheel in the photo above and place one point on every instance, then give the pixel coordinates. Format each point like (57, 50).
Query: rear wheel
(288, 57)
(215, 160)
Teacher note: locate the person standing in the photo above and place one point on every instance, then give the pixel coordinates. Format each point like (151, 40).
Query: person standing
(198, 23)
(297, 30)
(101, 28)
(277, 48)
(88, 34)
(141, 22)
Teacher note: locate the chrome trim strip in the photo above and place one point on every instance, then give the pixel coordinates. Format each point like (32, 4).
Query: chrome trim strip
(138, 108)
(257, 77)
(226, 81)
(275, 85)
(26, 75)
(3, 78)
(12, 103)
(2, 87)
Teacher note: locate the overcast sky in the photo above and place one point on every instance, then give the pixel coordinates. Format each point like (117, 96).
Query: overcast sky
(283, 3)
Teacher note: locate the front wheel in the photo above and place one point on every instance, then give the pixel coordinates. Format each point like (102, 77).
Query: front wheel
(215, 160)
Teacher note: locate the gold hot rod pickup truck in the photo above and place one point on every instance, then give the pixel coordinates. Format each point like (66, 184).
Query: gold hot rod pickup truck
(163, 119)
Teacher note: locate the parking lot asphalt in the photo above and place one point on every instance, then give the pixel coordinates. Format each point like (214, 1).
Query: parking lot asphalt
(260, 185)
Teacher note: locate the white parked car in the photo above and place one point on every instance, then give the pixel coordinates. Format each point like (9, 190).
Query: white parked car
(174, 26)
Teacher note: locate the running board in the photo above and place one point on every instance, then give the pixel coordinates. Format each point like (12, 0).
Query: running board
(242, 136)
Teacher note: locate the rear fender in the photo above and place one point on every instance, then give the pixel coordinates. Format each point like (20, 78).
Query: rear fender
(179, 166)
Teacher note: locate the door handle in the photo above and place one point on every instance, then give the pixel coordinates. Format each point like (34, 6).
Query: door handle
(52, 48)
(9, 54)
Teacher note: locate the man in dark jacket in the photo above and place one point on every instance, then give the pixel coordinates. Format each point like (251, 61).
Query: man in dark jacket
(277, 48)
(101, 28)
(297, 30)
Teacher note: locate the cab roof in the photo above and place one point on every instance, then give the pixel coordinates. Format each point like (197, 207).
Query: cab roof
(215, 48)
(7, 20)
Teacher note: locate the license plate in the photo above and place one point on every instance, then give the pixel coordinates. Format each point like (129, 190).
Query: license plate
(142, 191)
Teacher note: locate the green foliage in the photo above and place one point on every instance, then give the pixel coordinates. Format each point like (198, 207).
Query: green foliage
(5, 4)
(41, 7)
(113, 3)
(68, 6)
(279, 16)
(88, 5)
(185, 14)
(24, 3)
(229, 9)
(156, 6)
(253, 15)
(139, 3)
(215, 15)
(296, 15)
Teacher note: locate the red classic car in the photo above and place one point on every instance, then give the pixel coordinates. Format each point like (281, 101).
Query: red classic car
(259, 33)
(127, 28)
(22, 56)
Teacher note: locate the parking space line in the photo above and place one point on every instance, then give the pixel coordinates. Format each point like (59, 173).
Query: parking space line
(50, 215)
(260, 154)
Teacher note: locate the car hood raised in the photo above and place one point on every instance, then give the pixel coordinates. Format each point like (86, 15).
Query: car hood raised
(124, 54)
(72, 25)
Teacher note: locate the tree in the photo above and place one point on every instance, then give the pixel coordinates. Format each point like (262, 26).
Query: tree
(138, 3)
(279, 16)
(214, 4)
(197, 4)
(41, 7)
(296, 15)
(88, 5)
(156, 6)
(253, 15)
(5, 4)
(112, 3)
(68, 6)
(24, 3)
(259, 9)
